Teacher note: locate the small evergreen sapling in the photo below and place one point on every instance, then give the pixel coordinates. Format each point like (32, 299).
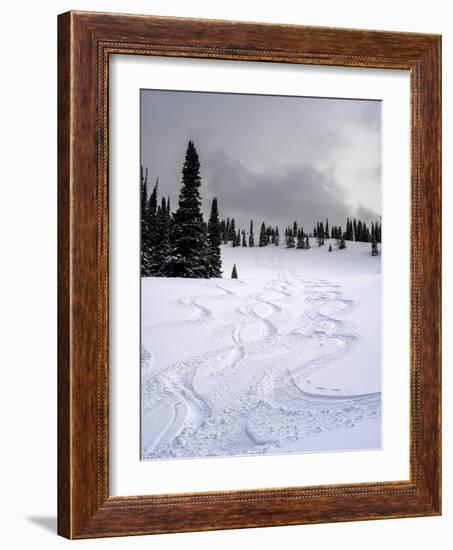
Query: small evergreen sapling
(374, 248)
(234, 273)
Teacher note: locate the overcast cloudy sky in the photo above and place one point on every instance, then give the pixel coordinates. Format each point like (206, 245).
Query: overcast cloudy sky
(271, 158)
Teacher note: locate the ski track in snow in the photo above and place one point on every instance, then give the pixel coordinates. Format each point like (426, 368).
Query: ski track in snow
(256, 395)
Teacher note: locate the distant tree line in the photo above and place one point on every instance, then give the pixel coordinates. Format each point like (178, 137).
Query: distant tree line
(295, 237)
(356, 230)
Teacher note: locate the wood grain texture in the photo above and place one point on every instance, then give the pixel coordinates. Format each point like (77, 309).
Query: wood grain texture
(86, 40)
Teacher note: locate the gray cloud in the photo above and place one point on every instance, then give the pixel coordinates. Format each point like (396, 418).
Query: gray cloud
(269, 158)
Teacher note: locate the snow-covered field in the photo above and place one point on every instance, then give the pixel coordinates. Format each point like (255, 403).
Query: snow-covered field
(287, 358)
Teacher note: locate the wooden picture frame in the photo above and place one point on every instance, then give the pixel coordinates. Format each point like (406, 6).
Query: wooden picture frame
(85, 42)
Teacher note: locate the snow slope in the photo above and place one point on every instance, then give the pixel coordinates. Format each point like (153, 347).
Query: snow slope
(287, 358)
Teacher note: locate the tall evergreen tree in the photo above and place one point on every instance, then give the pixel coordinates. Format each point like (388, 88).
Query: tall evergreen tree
(144, 232)
(232, 232)
(268, 234)
(227, 231)
(162, 250)
(214, 239)
(300, 239)
(244, 242)
(374, 248)
(359, 234)
(320, 233)
(151, 224)
(290, 238)
(251, 236)
(327, 229)
(277, 237)
(189, 243)
(263, 236)
(237, 239)
(307, 242)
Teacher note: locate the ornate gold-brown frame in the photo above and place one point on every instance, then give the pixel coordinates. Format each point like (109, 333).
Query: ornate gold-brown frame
(86, 40)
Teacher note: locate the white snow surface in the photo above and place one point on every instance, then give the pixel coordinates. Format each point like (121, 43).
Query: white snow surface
(287, 358)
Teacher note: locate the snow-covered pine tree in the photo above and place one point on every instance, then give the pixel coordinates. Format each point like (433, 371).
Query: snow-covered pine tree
(330, 248)
(263, 236)
(151, 222)
(359, 231)
(342, 244)
(290, 238)
(300, 239)
(227, 231)
(374, 248)
(277, 237)
(214, 239)
(327, 229)
(320, 233)
(189, 243)
(232, 232)
(251, 236)
(144, 232)
(307, 242)
(162, 250)
(234, 273)
(244, 242)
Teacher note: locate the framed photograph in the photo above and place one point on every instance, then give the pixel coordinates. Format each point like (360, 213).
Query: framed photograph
(249, 275)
